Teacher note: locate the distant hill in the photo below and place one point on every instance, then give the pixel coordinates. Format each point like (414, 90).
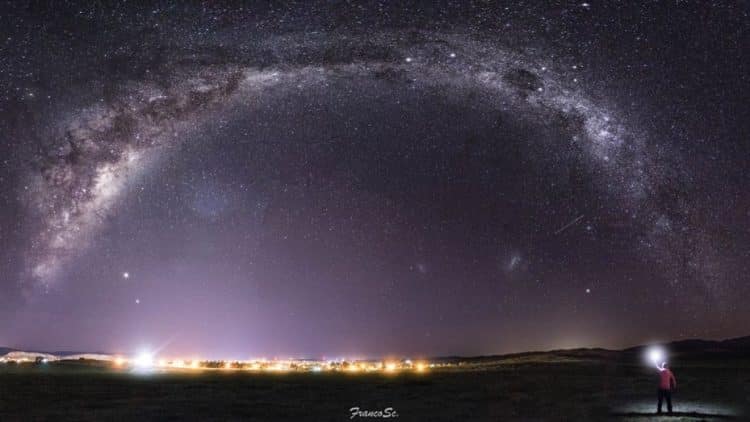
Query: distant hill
(77, 352)
(739, 342)
(735, 347)
(693, 348)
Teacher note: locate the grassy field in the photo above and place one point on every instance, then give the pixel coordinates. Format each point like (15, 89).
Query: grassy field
(514, 389)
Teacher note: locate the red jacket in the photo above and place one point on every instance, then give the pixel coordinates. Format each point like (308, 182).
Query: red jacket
(667, 380)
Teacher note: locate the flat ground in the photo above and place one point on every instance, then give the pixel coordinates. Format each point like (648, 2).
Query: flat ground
(507, 390)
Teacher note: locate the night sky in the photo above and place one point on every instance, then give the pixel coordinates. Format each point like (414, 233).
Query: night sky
(373, 179)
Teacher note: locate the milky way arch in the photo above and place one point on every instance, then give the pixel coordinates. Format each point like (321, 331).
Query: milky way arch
(80, 178)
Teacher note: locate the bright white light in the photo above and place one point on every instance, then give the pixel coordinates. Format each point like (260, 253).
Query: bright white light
(657, 356)
(144, 360)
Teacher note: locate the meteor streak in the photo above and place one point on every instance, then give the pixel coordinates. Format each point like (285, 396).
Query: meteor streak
(571, 223)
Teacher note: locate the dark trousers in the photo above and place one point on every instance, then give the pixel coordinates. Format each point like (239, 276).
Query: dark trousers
(665, 394)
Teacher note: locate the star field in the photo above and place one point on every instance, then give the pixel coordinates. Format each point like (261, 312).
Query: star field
(368, 178)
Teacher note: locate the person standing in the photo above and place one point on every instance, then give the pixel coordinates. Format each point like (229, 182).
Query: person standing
(667, 383)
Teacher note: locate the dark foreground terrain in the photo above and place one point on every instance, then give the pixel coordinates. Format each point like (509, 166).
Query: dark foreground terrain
(569, 386)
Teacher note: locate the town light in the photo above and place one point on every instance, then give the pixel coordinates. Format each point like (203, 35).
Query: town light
(144, 360)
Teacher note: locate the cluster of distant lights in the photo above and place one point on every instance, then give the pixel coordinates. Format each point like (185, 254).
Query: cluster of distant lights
(654, 355)
(147, 362)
